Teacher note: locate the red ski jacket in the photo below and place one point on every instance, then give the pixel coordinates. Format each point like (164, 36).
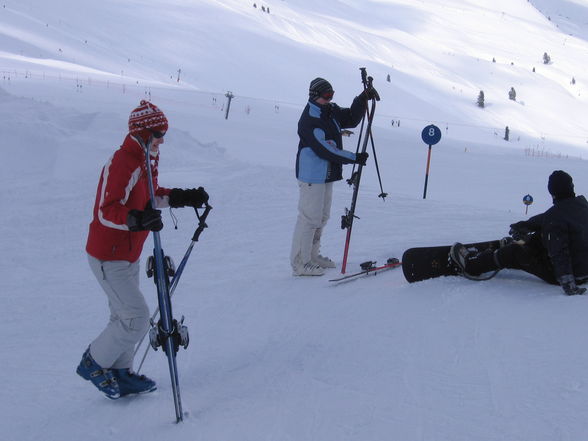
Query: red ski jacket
(123, 186)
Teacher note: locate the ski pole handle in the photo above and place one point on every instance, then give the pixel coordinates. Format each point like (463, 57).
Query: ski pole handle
(363, 76)
(201, 222)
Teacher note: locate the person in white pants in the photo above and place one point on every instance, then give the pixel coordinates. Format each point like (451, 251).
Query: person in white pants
(319, 163)
(314, 210)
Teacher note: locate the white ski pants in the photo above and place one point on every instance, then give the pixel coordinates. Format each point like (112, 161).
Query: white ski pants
(314, 210)
(129, 313)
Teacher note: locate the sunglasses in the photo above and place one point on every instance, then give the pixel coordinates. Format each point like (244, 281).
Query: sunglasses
(157, 134)
(328, 95)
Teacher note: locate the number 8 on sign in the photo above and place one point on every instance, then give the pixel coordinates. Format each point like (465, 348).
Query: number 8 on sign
(431, 135)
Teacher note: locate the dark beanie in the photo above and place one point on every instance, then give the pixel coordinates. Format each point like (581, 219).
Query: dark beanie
(318, 87)
(560, 185)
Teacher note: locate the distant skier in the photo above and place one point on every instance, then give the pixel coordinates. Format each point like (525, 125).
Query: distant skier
(555, 243)
(318, 164)
(121, 223)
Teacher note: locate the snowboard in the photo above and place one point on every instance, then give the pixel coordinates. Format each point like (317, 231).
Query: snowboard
(429, 262)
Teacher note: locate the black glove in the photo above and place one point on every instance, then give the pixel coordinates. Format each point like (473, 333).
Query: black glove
(148, 219)
(518, 231)
(361, 158)
(568, 284)
(370, 93)
(193, 197)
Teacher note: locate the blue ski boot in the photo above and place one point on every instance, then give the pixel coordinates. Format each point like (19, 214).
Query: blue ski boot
(102, 378)
(131, 383)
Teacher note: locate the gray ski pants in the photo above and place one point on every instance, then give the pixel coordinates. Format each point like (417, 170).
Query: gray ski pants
(129, 313)
(314, 210)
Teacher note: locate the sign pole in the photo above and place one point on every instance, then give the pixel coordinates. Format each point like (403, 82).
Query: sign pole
(430, 135)
(527, 200)
(427, 173)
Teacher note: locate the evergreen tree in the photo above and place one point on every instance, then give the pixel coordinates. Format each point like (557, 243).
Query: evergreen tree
(546, 58)
(512, 95)
(481, 99)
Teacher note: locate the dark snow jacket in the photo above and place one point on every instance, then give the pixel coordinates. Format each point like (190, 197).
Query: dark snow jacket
(320, 150)
(564, 233)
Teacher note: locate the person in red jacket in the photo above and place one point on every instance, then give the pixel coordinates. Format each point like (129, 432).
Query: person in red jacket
(122, 219)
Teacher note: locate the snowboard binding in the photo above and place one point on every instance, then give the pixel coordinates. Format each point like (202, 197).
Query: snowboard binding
(458, 257)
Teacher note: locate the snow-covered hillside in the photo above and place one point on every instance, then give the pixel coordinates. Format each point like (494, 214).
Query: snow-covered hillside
(273, 357)
(436, 53)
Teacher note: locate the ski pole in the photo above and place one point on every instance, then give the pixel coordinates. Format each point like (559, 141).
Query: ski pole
(364, 80)
(174, 283)
(350, 180)
(366, 113)
(382, 194)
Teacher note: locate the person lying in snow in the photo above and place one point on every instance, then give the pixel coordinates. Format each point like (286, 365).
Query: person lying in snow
(552, 245)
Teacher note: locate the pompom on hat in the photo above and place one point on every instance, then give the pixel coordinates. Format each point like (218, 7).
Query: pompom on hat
(145, 118)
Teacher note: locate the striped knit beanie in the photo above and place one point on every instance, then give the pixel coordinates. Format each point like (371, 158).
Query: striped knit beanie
(147, 116)
(318, 87)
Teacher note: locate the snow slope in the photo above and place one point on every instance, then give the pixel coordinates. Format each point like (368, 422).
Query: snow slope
(274, 357)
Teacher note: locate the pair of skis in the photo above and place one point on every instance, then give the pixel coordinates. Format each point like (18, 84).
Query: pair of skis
(168, 333)
(355, 179)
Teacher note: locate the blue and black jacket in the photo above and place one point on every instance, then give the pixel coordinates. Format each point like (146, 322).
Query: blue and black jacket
(320, 151)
